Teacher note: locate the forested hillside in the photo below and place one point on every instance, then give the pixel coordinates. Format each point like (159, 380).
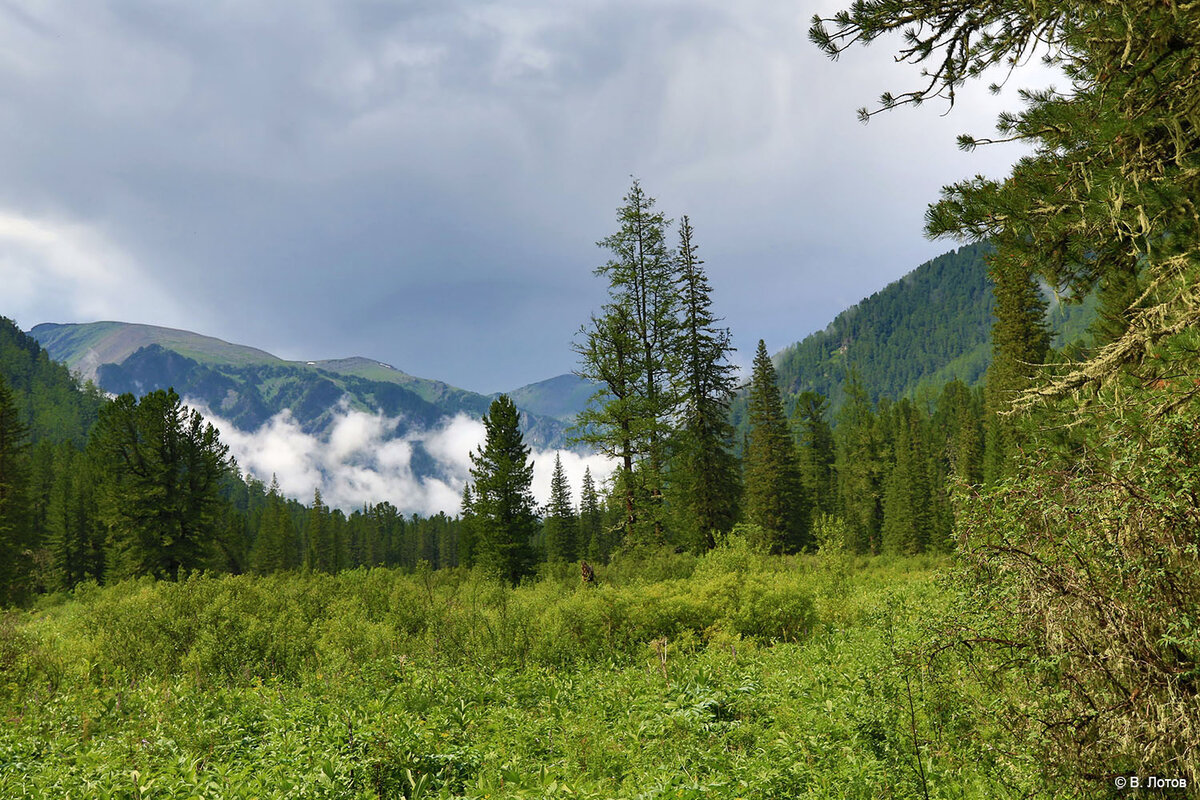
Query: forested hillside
(50, 402)
(932, 326)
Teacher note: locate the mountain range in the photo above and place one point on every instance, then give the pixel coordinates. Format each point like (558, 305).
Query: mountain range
(248, 386)
(931, 326)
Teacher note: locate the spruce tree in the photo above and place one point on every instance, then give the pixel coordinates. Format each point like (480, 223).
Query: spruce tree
(815, 450)
(14, 533)
(1020, 342)
(704, 474)
(275, 549)
(501, 503)
(858, 464)
(560, 527)
(321, 552)
(591, 520)
(774, 498)
(468, 540)
(907, 500)
(75, 537)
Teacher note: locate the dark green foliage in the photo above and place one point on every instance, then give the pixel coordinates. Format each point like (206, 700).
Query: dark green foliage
(14, 513)
(631, 352)
(593, 540)
(75, 537)
(907, 495)
(51, 404)
(859, 469)
(1020, 342)
(467, 539)
(704, 472)
(276, 546)
(959, 412)
(1081, 581)
(815, 448)
(929, 327)
(159, 469)
(321, 550)
(502, 508)
(774, 498)
(560, 526)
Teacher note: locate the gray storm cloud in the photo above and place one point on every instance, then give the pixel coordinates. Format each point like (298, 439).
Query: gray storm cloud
(360, 459)
(423, 183)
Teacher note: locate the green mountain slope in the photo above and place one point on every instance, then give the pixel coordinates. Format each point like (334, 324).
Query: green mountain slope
(922, 331)
(64, 409)
(248, 386)
(560, 397)
(932, 325)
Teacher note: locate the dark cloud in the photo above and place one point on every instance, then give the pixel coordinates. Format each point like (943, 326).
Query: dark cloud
(423, 182)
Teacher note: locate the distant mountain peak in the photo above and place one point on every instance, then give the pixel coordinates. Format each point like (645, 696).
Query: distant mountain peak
(249, 386)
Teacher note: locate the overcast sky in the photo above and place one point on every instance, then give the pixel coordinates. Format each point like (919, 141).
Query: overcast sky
(424, 182)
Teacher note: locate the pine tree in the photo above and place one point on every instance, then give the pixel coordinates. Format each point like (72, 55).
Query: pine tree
(14, 533)
(75, 537)
(815, 450)
(774, 496)
(591, 520)
(704, 475)
(1020, 342)
(468, 538)
(560, 527)
(161, 469)
(1080, 549)
(275, 548)
(858, 467)
(502, 505)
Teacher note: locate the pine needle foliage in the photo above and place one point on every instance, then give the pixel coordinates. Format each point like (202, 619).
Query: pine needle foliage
(502, 509)
(774, 496)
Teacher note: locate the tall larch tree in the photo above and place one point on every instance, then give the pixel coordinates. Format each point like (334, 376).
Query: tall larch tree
(774, 497)
(611, 419)
(631, 351)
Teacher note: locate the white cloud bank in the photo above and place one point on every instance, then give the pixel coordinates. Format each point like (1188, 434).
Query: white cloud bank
(361, 459)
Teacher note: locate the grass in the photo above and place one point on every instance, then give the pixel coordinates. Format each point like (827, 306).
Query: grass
(732, 675)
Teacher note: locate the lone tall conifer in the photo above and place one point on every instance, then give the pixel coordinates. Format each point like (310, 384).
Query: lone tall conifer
(502, 507)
